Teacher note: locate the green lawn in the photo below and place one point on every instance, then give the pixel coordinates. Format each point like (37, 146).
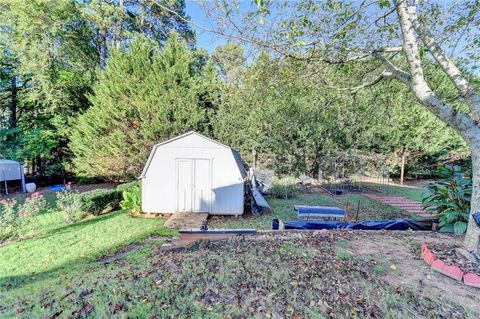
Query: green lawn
(413, 193)
(369, 209)
(56, 244)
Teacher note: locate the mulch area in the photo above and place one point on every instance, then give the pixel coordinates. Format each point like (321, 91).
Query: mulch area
(449, 255)
(45, 190)
(306, 264)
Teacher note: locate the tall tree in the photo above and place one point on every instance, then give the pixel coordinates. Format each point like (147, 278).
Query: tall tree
(48, 65)
(116, 21)
(343, 31)
(56, 57)
(144, 96)
(231, 61)
(50, 51)
(294, 123)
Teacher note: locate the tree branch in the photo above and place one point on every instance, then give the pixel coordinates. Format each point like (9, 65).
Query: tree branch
(360, 56)
(464, 124)
(385, 75)
(400, 74)
(464, 87)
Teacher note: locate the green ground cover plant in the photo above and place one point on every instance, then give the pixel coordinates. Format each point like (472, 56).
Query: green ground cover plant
(450, 197)
(132, 200)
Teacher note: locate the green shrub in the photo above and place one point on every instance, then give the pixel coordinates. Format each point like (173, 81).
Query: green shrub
(132, 200)
(32, 206)
(450, 198)
(13, 215)
(126, 186)
(10, 221)
(98, 201)
(68, 202)
(284, 187)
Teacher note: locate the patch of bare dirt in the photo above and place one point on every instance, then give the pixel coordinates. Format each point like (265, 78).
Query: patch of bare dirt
(402, 250)
(89, 187)
(46, 191)
(130, 248)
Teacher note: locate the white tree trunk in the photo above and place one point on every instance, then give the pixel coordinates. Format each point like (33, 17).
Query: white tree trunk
(472, 236)
(465, 124)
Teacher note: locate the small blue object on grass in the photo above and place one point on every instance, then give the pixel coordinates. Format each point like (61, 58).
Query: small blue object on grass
(58, 188)
(476, 218)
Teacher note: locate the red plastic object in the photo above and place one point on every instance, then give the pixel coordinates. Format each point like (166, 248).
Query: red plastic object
(470, 279)
(453, 272)
(429, 257)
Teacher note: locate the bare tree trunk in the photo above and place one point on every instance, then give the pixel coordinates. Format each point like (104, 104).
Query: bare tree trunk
(464, 123)
(102, 39)
(117, 33)
(254, 159)
(13, 103)
(402, 166)
(472, 236)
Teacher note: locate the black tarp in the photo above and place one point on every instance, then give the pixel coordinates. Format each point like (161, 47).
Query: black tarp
(399, 224)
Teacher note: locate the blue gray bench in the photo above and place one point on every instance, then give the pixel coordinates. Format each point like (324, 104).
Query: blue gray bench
(304, 211)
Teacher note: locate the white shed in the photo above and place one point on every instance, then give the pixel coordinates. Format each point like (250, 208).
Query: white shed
(193, 173)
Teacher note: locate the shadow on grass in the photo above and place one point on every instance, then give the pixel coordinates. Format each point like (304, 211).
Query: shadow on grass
(16, 281)
(79, 265)
(79, 225)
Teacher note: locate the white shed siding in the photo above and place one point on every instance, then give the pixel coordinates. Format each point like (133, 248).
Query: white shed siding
(159, 180)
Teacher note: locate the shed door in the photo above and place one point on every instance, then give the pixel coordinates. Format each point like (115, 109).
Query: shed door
(193, 185)
(201, 188)
(184, 185)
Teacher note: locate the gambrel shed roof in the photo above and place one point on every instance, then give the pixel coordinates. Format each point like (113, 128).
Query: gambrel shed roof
(235, 154)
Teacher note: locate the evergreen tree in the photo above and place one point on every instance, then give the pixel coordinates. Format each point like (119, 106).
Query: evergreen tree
(143, 97)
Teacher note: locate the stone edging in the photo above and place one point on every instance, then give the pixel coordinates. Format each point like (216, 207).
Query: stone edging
(469, 279)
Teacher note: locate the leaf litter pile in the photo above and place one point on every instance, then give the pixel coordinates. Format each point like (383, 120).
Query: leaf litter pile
(450, 255)
(299, 275)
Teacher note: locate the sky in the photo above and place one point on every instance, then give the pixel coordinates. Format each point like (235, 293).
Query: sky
(205, 40)
(209, 41)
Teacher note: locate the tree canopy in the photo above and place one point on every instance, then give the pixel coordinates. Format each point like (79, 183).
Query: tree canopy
(145, 95)
(50, 55)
